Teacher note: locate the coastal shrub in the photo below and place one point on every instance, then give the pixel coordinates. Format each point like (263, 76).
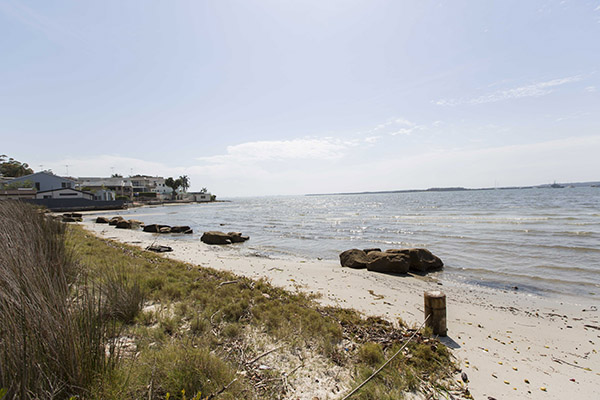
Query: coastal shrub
(179, 369)
(123, 295)
(53, 334)
(371, 354)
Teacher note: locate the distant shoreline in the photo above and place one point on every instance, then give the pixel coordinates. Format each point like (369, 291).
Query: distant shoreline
(462, 189)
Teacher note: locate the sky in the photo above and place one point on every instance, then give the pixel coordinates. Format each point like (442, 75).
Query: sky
(276, 97)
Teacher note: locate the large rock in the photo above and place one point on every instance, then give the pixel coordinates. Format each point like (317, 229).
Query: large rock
(216, 237)
(237, 237)
(115, 220)
(70, 219)
(421, 260)
(73, 215)
(388, 262)
(165, 229)
(136, 223)
(123, 224)
(154, 228)
(181, 229)
(354, 258)
(102, 220)
(370, 250)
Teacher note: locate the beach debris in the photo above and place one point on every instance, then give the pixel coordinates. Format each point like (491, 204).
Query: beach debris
(592, 326)
(507, 382)
(216, 237)
(159, 248)
(464, 377)
(102, 220)
(526, 381)
(375, 295)
(543, 389)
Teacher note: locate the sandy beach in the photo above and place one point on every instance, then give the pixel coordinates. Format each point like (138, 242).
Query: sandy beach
(510, 344)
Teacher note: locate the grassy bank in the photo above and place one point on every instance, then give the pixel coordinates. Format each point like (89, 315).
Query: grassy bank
(145, 326)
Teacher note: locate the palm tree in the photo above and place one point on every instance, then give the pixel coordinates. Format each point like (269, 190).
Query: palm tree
(185, 182)
(173, 184)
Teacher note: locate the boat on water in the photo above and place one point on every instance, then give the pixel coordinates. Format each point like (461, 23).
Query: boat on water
(556, 186)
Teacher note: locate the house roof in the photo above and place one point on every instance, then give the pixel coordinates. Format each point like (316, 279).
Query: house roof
(26, 177)
(59, 189)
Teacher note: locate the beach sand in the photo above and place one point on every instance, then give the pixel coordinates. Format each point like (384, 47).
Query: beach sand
(512, 345)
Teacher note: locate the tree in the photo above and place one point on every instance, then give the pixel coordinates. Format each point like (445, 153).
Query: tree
(173, 184)
(18, 185)
(185, 182)
(12, 167)
(116, 176)
(204, 190)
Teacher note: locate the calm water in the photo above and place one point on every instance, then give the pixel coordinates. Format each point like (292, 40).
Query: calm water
(541, 240)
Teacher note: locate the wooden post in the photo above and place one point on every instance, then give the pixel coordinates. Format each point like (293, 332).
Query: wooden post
(435, 308)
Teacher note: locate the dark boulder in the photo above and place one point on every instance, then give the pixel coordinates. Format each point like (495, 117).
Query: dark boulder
(165, 229)
(354, 258)
(237, 237)
(388, 262)
(70, 219)
(73, 215)
(181, 229)
(102, 220)
(216, 237)
(154, 228)
(114, 220)
(370, 250)
(421, 260)
(123, 224)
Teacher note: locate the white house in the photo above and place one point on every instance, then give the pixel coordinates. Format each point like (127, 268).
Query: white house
(66, 193)
(200, 197)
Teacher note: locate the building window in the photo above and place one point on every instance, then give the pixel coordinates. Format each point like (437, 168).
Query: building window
(37, 186)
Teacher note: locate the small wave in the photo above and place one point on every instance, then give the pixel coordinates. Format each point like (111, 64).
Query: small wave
(514, 277)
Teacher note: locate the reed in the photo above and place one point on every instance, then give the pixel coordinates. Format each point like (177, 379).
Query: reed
(53, 333)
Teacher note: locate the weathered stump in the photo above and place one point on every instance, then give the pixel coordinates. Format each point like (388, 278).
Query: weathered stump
(435, 309)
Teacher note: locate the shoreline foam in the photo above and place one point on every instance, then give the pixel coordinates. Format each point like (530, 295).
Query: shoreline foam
(498, 336)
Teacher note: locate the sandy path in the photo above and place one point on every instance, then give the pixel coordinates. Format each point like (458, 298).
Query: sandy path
(502, 339)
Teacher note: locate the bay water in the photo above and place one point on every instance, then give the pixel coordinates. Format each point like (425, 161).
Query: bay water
(541, 240)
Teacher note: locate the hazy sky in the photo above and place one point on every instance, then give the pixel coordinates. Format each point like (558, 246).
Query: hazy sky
(290, 97)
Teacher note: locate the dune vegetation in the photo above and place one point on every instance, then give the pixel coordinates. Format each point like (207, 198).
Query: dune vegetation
(89, 318)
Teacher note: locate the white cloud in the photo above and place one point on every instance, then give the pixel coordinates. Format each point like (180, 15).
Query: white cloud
(372, 139)
(278, 150)
(403, 131)
(590, 89)
(533, 90)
